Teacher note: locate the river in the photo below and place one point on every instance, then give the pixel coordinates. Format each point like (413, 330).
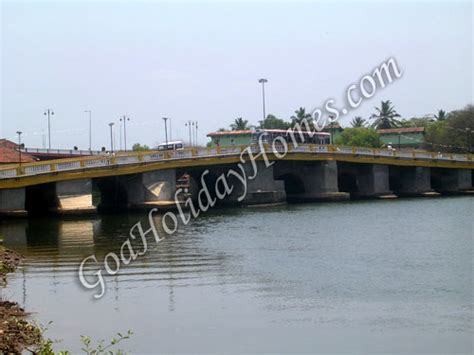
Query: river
(366, 276)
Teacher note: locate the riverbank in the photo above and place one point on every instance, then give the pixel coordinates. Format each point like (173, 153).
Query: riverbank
(16, 333)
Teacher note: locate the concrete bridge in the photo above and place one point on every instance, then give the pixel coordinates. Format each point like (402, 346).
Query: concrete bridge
(305, 173)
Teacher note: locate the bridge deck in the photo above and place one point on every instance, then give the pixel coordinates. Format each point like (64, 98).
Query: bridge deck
(138, 162)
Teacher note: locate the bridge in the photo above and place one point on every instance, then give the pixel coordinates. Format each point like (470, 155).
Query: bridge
(305, 173)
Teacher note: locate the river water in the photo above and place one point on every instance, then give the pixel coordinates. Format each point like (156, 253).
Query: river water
(368, 276)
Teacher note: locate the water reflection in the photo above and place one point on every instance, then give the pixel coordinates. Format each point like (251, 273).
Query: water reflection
(287, 279)
(54, 249)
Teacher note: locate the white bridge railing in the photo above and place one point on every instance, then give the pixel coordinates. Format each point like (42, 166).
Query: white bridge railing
(131, 158)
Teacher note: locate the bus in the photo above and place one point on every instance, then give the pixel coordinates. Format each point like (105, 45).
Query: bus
(176, 145)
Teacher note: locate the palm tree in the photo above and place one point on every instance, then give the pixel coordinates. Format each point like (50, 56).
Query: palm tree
(441, 116)
(358, 122)
(300, 116)
(385, 116)
(239, 124)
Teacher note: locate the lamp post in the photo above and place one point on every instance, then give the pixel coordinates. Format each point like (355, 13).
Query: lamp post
(171, 133)
(188, 124)
(468, 131)
(196, 134)
(166, 130)
(90, 128)
(19, 145)
(125, 119)
(111, 124)
(49, 112)
(263, 81)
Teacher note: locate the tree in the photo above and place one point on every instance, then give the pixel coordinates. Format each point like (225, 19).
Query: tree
(239, 124)
(385, 116)
(416, 122)
(453, 134)
(272, 122)
(441, 115)
(300, 116)
(360, 137)
(137, 147)
(358, 122)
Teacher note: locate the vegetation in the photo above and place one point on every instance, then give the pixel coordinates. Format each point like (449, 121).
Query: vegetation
(385, 116)
(358, 122)
(272, 122)
(416, 122)
(45, 346)
(441, 115)
(300, 116)
(452, 134)
(137, 147)
(360, 137)
(240, 124)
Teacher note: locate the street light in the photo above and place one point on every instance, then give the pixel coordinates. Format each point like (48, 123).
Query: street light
(263, 81)
(468, 131)
(90, 128)
(49, 112)
(19, 144)
(111, 124)
(188, 124)
(166, 130)
(196, 132)
(124, 119)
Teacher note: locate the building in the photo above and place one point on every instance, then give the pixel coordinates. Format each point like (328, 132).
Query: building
(403, 138)
(9, 153)
(231, 138)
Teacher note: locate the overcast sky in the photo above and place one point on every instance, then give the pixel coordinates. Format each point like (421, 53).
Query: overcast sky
(202, 60)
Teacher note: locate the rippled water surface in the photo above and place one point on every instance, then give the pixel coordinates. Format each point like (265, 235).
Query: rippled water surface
(379, 276)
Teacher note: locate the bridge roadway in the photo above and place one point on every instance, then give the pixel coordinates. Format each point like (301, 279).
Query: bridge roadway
(305, 172)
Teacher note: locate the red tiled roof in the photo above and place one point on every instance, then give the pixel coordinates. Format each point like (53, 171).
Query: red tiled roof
(8, 144)
(402, 130)
(9, 153)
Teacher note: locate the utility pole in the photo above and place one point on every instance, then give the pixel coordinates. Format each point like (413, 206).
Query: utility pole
(90, 128)
(125, 119)
(19, 145)
(49, 112)
(263, 81)
(196, 134)
(166, 130)
(468, 131)
(111, 124)
(188, 124)
(171, 133)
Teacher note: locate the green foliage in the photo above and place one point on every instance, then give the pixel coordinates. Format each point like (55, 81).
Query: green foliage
(239, 124)
(453, 134)
(137, 147)
(360, 137)
(272, 122)
(416, 122)
(441, 115)
(358, 122)
(385, 116)
(45, 346)
(300, 116)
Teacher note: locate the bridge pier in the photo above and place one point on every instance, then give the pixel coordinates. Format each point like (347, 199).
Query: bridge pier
(261, 190)
(74, 197)
(410, 180)
(451, 180)
(151, 189)
(310, 181)
(364, 180)
(12, 202)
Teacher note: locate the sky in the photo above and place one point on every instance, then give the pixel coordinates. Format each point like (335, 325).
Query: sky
(201, 61)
